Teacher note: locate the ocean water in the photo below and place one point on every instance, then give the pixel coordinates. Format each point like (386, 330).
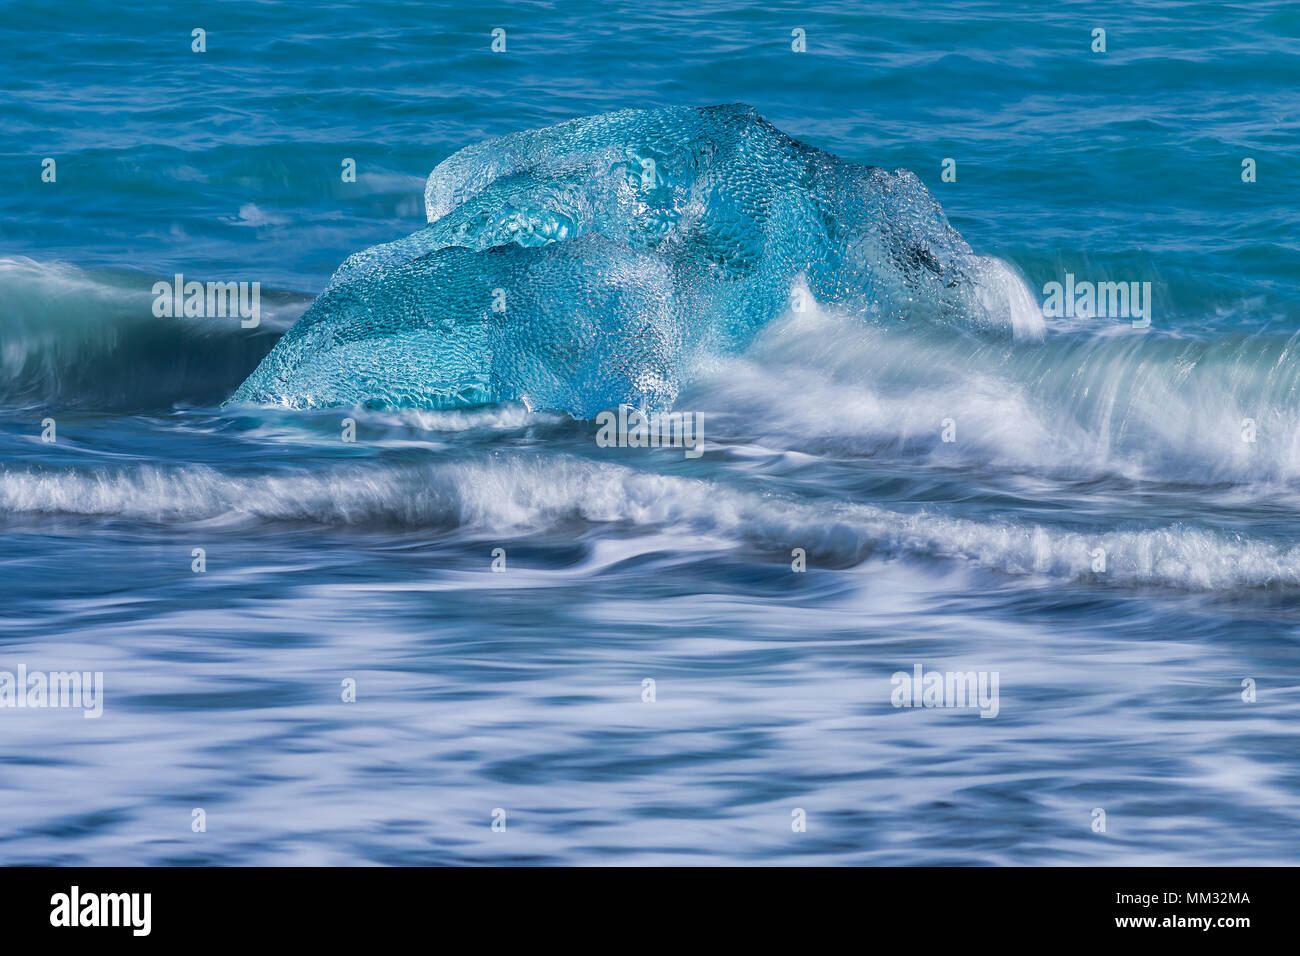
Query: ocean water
(1111, 532)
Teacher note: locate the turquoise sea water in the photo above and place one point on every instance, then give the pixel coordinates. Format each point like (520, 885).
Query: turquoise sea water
(1120, 689)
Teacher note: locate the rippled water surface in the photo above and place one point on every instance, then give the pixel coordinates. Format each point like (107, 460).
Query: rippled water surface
(1120, 684)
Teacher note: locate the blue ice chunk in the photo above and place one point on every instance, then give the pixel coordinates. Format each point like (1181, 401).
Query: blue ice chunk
(604, 260)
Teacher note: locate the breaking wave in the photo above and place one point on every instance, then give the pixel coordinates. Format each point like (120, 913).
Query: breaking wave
(73, 338)
(518, 496)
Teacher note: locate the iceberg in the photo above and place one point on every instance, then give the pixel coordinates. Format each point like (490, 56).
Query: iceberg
(606, 260)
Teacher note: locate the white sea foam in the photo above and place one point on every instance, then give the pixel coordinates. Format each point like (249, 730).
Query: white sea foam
(1071, 407)
(524, 494)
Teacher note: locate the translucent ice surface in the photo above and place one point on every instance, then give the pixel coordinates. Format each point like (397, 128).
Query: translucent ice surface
(606, 260)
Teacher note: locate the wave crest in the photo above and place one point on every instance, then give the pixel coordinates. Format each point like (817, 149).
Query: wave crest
(519, 496)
